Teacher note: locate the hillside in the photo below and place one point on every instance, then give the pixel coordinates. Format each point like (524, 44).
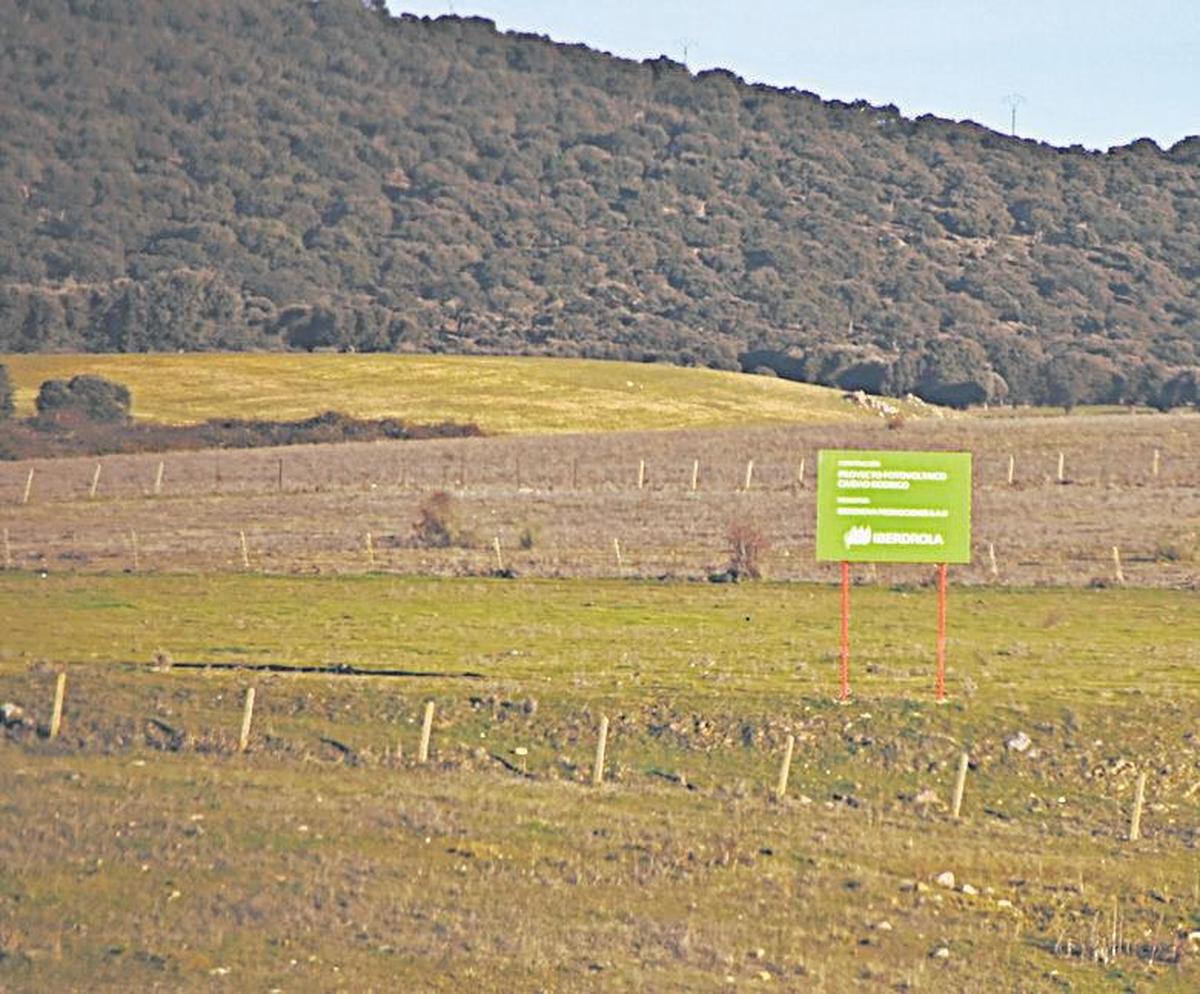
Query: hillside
(250, 174)
(502, 395)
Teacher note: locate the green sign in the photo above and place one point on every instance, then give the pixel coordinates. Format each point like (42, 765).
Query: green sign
(894, 507)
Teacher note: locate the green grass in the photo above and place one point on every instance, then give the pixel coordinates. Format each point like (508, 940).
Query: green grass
(678, 638)
(123, 865)
(503, 395)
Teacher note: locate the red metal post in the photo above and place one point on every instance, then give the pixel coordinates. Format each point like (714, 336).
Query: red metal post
(845, 657)
(941, 634)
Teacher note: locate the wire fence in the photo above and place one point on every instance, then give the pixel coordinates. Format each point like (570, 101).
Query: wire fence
(527, 507)
(231, 710)
(384, 465)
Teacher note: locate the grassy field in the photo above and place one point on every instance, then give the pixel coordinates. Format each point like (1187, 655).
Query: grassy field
(502, 395)
(141, 851)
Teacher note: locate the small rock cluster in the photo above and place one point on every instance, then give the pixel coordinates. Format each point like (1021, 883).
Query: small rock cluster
(12, 715)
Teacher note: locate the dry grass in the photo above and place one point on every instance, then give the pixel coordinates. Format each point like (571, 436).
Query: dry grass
(502, 395)
(567, 497)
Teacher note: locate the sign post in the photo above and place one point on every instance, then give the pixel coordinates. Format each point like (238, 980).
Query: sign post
(893, 507)
(941, 634)
(844, 695)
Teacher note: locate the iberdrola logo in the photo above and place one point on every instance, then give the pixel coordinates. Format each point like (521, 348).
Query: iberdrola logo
(858, 535)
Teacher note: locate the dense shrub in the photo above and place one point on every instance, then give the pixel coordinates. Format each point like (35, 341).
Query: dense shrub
(367, 183)
(6, 394)
(69, 433)
(86, 397)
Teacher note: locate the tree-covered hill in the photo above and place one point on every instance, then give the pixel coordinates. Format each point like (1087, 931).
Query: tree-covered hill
(201, 174)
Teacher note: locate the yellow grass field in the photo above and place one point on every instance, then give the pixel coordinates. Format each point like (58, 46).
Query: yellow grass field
(502, 395)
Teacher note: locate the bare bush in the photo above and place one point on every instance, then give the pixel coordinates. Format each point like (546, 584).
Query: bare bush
(1182, 549)
(747, 547)
(437, 525)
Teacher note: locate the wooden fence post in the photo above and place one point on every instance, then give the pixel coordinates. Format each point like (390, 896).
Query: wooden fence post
(992, 559)
(749, 474)
(245, 550)
(95, 482)
(370, 552)
(641, 473)
(1012, 468)
(133, 545)
(247, 718)
(620, 561)
(785, 768)
(601, 748)
(426, 732)
(60, 691)
(1062, 467)
(158, 478)
(960, 784)
(499, 554)
(695, 474)
(1118, 573)
(28, 487)
(1139, 799)
(800, 474)
(1154, 468)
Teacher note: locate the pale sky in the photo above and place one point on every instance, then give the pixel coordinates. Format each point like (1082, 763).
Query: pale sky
(1097, 73)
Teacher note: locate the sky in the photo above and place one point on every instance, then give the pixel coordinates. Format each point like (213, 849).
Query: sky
(1097, 73)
